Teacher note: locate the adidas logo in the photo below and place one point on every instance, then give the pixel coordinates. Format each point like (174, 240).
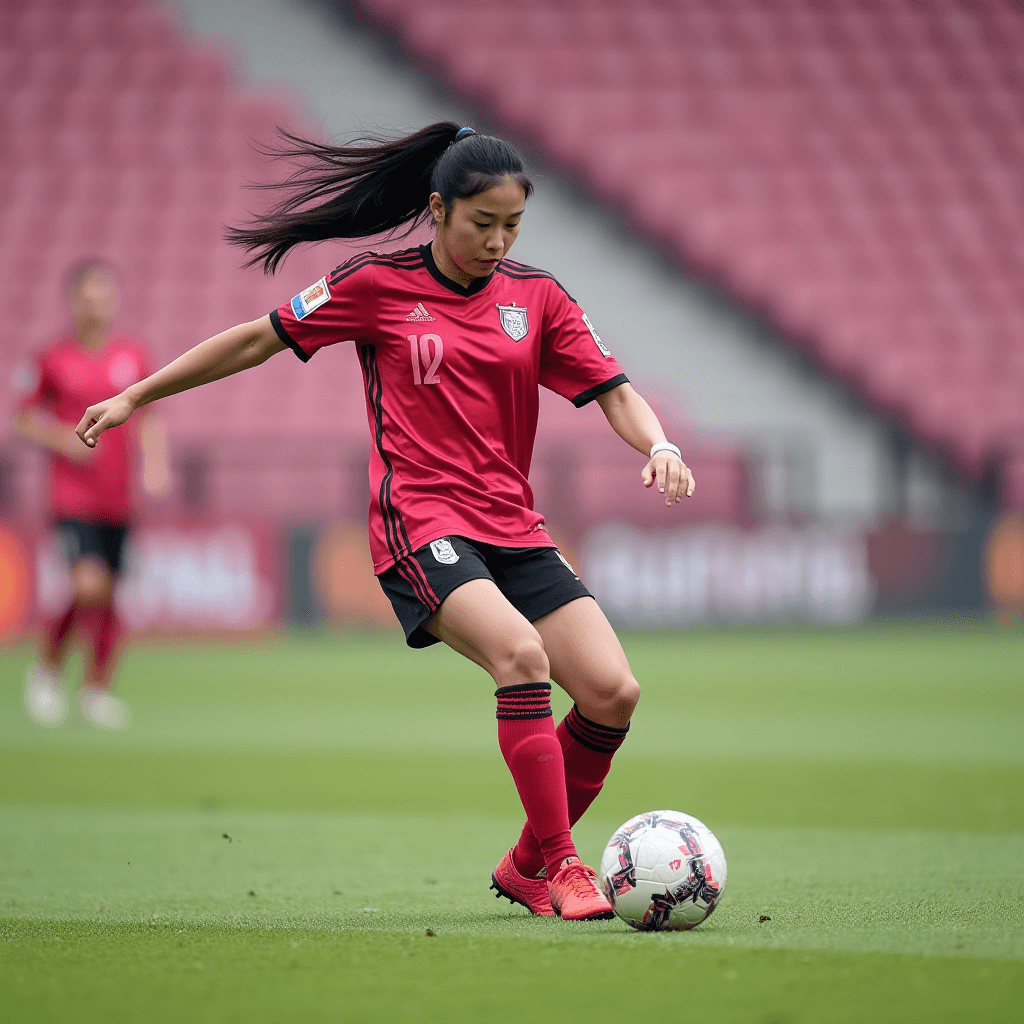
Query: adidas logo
(419, 313)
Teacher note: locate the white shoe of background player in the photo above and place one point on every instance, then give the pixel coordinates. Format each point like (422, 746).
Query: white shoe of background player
(101, 708)
(44, 696)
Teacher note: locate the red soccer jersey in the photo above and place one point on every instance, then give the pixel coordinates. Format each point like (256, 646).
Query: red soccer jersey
(451, 377)
(64, 379)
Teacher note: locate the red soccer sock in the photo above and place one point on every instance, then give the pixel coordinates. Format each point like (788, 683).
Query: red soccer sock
(103, 627)
(58, 632)
(533, 754)
(587, 752)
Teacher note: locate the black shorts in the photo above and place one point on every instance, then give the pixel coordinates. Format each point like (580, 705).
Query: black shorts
(536, 581)
(92, 540)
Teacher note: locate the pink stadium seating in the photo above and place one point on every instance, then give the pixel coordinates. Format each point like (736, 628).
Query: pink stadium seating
(121, 140)
(850, 169)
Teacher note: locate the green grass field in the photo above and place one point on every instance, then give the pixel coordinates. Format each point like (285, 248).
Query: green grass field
(283, 823)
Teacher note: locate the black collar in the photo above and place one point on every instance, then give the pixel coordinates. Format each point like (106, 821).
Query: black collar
(478, 284)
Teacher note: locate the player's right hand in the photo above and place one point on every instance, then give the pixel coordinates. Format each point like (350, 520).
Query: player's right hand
(111, 413)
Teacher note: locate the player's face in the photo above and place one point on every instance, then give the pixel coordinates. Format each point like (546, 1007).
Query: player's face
(94, 300)
(479, 231)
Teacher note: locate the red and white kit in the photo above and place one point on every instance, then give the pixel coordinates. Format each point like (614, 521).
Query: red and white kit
(451, 377)
(64, 379)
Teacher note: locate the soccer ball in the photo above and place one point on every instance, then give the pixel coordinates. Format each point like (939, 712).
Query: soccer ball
(663, 871)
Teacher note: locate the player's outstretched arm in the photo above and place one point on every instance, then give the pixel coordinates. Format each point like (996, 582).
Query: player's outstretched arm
(634, 421)
(40, 428)
(235, 349)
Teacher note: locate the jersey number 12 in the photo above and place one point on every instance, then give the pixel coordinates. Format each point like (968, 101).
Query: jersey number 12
(424, 365)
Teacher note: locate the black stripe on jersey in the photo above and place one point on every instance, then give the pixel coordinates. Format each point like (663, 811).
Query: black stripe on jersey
(530, 274)
(398, 541)
(411, 260)
(524, 268)
(368, 358)
(394, 526)
(286, 337)
(599, 389)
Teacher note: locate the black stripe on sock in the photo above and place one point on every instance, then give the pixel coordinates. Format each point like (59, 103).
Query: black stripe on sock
(526, 700)
(506, 716)
(604, 739)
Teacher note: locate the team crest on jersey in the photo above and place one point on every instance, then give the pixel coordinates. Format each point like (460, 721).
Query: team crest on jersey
(514, 321)
(444, 552)
(312, 298)
(605, 351)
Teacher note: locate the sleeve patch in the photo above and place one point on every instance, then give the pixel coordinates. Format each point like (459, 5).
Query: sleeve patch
(312, 298)
(605, 351)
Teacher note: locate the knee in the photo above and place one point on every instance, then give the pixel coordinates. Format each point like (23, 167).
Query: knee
(625, 697)
(629, 695)
(93, 584)
(524, 661)
(613, 700)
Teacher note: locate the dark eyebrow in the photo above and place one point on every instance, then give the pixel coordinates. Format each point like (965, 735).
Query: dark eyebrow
(488, 213)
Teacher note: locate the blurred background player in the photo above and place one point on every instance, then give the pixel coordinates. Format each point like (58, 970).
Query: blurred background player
(91, 493)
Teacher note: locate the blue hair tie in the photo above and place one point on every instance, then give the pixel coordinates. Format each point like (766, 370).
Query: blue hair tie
(463, 132)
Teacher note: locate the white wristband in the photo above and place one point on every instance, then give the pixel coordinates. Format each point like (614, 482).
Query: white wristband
(666, 446)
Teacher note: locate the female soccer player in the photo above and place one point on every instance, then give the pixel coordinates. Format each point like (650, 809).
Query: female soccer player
(454, 339)
(91, 494)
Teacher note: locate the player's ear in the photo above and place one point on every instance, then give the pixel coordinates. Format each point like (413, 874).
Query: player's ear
(437, 210)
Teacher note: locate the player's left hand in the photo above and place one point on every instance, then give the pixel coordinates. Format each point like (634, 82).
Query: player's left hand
(673, 476)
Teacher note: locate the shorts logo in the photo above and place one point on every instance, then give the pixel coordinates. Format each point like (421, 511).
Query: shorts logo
(444, 552)
(565, 562)
(514, 321)
(605, 351)
(312, 298)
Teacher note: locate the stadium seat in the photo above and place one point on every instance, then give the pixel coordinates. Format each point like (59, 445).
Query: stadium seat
(762, 142)
(124, 141)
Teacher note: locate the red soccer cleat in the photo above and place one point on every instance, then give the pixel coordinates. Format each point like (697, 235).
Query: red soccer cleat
(531, 893)
(575, 895)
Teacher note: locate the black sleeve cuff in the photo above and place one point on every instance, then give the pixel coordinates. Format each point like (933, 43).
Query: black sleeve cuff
(599, 389)
(286, 337)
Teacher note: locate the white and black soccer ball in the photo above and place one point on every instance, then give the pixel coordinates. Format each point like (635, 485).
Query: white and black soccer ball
(663, 871)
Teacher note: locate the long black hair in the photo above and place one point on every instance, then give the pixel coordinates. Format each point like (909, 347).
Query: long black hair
(373, 185)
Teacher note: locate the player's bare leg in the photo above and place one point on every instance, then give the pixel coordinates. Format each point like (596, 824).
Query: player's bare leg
(478, 621)
(94, 591)
(45, 699)
(588, 662)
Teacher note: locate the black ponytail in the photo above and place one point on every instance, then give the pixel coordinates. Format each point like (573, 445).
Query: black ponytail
(373, 186)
